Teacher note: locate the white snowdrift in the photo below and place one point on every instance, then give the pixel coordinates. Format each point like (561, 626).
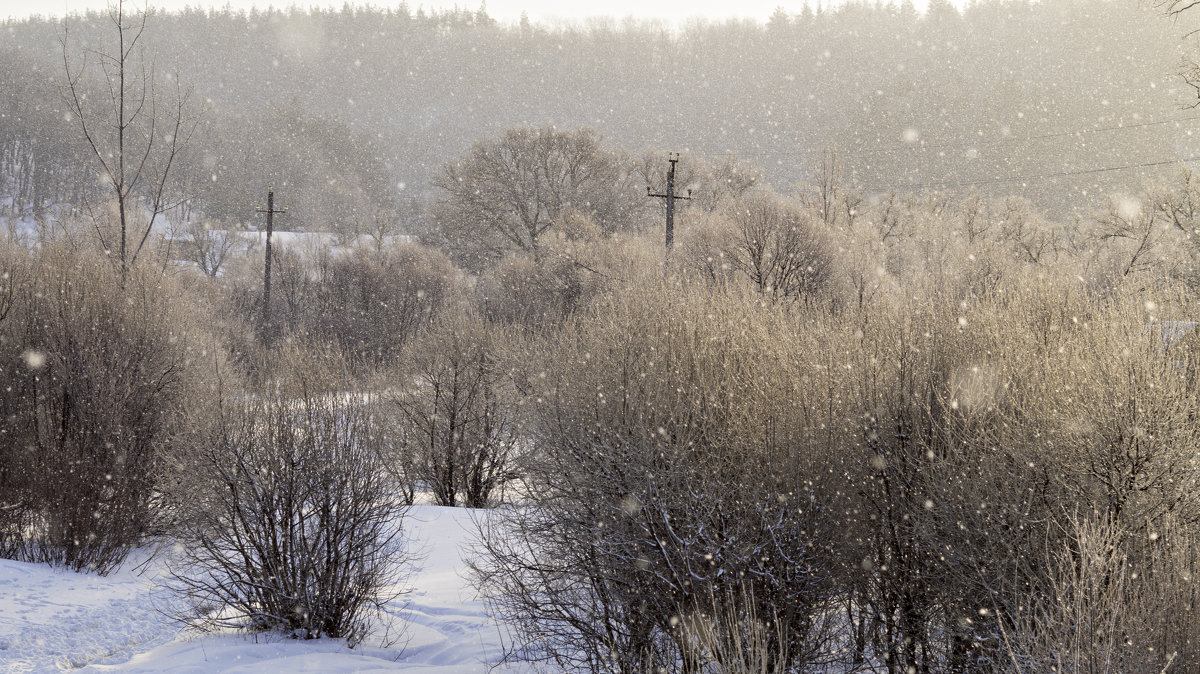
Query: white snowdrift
(53, 620)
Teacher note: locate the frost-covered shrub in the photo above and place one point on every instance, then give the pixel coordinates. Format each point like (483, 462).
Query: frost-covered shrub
(291, 522)
(782, 250)
(454, 416)
(96, 374)
(372, 304)
(984, 427)
(1110, 605)
(366, 304)
(673, 473)
(575, 265)
(717, 480)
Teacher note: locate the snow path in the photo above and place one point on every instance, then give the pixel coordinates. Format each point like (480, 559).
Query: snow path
(54, 621)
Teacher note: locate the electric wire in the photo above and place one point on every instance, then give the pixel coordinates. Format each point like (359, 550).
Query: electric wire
(1011, 179)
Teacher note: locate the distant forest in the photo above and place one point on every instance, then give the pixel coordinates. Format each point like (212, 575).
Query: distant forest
(351, 112)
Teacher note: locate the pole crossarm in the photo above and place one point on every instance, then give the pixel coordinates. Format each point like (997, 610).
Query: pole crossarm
(670, 198)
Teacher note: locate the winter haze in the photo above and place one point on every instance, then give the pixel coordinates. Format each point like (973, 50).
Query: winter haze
(644, 337)
(505, 10)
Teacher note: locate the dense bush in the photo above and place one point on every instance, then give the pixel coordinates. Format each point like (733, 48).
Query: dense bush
(364, 303)
(671, 482)
(951, 476)
(97, 373)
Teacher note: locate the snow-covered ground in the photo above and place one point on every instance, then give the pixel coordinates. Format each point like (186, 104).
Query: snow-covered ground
(53, 620)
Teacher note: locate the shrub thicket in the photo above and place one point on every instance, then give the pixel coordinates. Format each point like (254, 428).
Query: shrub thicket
(97, 372)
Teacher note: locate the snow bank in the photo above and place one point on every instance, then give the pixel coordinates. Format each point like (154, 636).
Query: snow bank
(53, 620)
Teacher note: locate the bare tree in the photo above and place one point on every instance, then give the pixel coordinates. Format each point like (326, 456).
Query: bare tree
(133, 135)
(507, 194)
(1134, 237)
(1180, 202)
(1190, 68)
(1026, 233)
(777, 246)
(827, 194)
(208, 248)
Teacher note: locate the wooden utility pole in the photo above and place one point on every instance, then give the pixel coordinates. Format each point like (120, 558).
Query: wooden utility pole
(270, 211)
(670, 196)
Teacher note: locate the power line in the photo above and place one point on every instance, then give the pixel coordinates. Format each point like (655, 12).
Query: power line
(1016, 139)
(909, 147)
(1013, 179)
(1009, 179)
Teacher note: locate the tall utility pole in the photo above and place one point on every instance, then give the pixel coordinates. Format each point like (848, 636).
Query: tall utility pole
(270, 211)
(670, 196)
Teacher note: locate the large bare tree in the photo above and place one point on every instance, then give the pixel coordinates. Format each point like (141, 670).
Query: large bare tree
(134, 136)
(778, 246)
(505, 195)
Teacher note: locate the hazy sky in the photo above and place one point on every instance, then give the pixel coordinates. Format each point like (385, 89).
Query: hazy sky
(504, 10)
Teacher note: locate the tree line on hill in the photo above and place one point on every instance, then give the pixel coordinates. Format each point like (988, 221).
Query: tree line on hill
(355, 110)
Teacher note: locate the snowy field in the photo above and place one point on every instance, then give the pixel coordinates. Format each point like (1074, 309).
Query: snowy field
(54, 621)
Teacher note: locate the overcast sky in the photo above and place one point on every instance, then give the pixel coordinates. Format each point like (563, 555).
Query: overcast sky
(504, 10)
